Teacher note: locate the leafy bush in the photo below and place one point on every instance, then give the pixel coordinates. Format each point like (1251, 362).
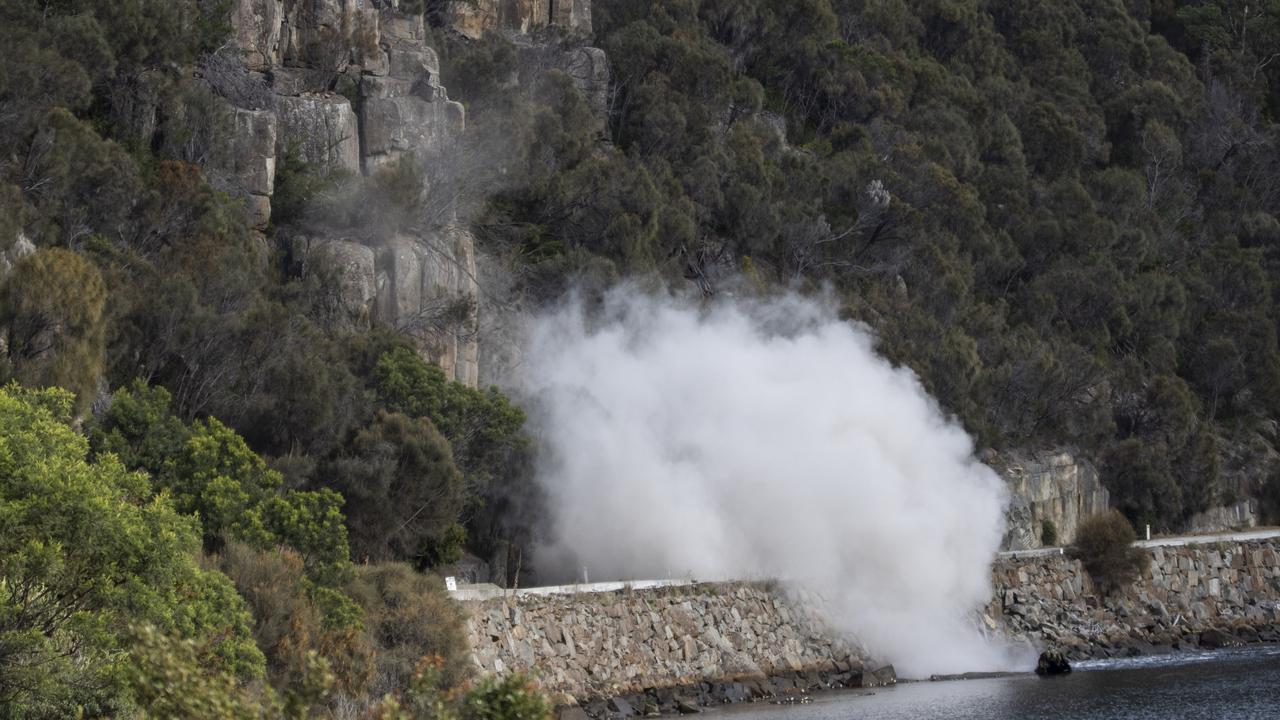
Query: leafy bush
(402, 490)
(290, 625)
(485, 431)
(51, 308)
(86, 550)
(409, 616)
(511, 697)
(1104, 543)
(1048, 533)
(166, 677)
(208, 470)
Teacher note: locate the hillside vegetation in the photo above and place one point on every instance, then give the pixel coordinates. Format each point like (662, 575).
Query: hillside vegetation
(1063, 216)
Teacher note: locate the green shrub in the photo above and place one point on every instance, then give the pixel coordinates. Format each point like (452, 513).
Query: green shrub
(1104, 543)
(511, 697)
(409, 616)
(290, 624)
(51, 307)
(85, 551)
(1048, 533)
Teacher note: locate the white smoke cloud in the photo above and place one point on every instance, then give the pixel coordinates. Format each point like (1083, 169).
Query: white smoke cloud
(765, 439)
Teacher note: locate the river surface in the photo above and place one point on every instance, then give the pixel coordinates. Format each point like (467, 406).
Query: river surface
(1242, 684)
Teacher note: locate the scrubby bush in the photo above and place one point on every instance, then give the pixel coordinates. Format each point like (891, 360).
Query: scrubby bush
(1048, 533)
(290, 626)
(1104, 543)
(51, 312)
(403, 492)
(409, 616)
(511, 697)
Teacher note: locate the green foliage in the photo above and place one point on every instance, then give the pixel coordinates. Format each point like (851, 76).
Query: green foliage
(298, 185)
(218, 477)
(52, 312)
(485, 432)
(208, 470)
(1104, 543)
(1048, 533)
(511, 697)
(85, 549)
(483, 426)
(402, 488)
(167, 678)
(139, 429)
(290, 625)
(410, 617)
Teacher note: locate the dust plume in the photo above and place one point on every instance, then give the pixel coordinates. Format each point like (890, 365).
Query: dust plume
(764, 439)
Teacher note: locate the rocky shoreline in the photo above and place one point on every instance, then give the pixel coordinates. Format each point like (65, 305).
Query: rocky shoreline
(794, 688)
(1198, 596)
(673, 650)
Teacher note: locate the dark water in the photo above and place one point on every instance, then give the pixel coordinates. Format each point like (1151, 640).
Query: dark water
(1222, 685)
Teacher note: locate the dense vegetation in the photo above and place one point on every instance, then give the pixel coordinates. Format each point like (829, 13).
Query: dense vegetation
(178, 526)
(1062, 216)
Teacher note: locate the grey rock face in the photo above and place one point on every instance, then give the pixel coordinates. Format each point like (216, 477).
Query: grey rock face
(395, 126)
(473, 18)
(318, 33)
(351, 273)
(1050, 486)
(257, 31)
(1238, 516)
(352, 86)
(427, 290)
(422, 285)
(322, 129)
(253, 160)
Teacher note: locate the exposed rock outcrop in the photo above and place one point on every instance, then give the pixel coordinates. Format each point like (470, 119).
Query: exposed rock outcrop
(1052, 662)
(1053, 486)
(349, 270)
(253, 160)
(257, 25)
(474, 17)
(351, 86)
(1240, 515)
(321, 129)
(427, 290)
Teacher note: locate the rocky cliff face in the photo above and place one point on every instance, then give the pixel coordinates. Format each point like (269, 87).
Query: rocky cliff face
(473, 17)
(351, 86)
(1047, 487)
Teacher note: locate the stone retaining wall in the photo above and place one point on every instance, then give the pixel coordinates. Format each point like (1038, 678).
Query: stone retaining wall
(711, 642)
(615, 643)
(1184, 592)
